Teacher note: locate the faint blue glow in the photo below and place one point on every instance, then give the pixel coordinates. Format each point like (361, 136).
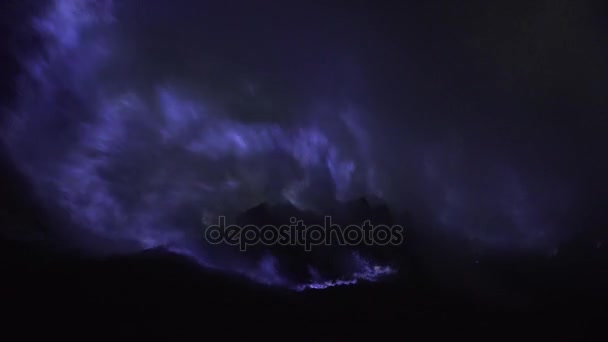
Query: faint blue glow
(367, 272)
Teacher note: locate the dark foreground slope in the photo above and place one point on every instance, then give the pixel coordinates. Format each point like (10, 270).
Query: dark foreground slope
(156, 290)
(440, 284)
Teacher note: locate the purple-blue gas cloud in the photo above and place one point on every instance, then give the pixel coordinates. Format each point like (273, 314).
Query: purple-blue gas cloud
(135, 156)
(135, 167)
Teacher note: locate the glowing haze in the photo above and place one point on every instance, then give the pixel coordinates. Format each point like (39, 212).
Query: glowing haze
(146, 159)
(135, 167)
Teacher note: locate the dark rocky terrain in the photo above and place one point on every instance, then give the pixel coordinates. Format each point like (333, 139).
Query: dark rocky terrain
(439, 284)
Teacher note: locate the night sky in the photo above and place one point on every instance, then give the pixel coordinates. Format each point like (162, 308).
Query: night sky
(480, 124)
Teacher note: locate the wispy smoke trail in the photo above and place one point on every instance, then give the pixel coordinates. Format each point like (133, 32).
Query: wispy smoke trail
(133, 156)
(135, 167)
